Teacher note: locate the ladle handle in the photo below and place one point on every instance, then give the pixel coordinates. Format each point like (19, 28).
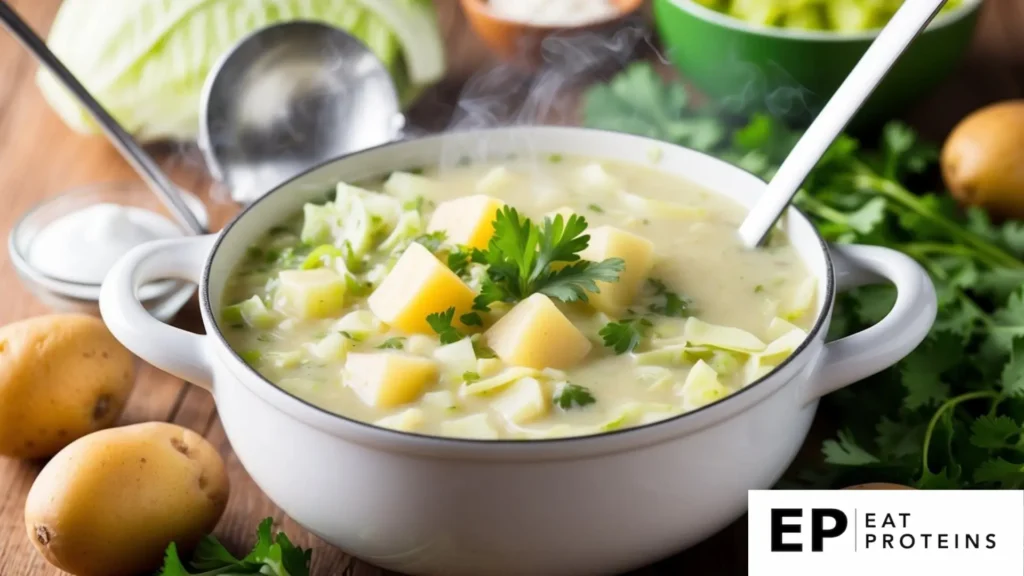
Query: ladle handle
(129, 148)
(905, 25)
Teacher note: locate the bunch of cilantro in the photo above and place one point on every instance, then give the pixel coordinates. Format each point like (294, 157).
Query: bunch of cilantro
(951, 414)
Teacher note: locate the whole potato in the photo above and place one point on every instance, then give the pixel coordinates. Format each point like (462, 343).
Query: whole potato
(62, 376)
(878, 486)
(111, 502)
(983, 160)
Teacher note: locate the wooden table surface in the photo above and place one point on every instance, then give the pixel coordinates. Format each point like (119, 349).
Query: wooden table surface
(40, 157)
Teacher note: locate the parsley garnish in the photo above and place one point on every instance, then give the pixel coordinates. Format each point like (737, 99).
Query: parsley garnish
(595, 208)
(396, 343)
(470, 376)
(520, 255)
(624, 336)
(471, 319)
(354, 336)
(569, 396)
(441, 322)
(674, 305)
(458, 261)
(272, 554)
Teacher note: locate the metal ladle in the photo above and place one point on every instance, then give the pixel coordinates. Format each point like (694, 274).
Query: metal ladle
(912, 17)
(148, 169)
(291, 96)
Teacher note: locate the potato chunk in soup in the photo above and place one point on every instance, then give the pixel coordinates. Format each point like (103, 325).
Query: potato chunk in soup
(576, 297)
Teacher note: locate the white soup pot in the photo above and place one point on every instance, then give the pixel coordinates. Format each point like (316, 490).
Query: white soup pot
(579, 506)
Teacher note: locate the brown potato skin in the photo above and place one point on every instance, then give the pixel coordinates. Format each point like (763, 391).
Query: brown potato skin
(879, 486)
(983, 160)
(62, 376)
(111, 502)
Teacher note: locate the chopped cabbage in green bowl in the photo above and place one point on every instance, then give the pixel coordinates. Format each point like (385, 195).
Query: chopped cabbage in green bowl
(835, 15)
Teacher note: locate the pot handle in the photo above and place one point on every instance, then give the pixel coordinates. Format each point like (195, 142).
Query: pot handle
(170, 349)
(874, 349)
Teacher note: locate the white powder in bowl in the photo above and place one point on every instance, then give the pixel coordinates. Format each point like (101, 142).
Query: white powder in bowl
(555, 12)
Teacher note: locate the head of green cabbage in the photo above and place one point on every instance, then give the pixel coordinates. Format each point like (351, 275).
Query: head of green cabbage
(146, 60)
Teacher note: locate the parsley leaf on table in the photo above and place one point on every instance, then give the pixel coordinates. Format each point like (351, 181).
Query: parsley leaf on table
(844, 450)
(993, 432)
(1013, 373)
(1007, 475)
(273, 555)
(638, 102)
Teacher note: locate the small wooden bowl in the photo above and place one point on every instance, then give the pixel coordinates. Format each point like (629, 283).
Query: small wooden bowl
(520, 42)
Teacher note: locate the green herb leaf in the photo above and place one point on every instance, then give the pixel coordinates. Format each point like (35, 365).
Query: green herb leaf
(624, 336)
(470, 376)
(272, 555)
(471, 319)
(922, 370)
(395, 343)
(520, 258)
(1006, 475)
(674, 305)
(441, 323)
(993, 432)
(458, 261)
(572, 282)
(1013, 373)
(569, 396)
(846, 452)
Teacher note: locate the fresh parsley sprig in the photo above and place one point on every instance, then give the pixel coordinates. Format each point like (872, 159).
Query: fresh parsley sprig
(625, 335)
(441, 323)
(569, 396)
(523, 259)
(669, 304)
(273, 555)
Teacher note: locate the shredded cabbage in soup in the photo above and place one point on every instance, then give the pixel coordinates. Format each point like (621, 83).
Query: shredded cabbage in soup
(517, 301)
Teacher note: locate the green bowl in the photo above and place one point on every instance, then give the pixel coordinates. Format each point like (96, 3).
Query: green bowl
(793, 73)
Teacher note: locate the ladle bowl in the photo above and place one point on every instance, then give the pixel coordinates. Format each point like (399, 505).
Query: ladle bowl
(290, 96)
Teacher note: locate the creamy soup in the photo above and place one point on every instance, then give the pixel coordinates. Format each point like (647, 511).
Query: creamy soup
(517, 301)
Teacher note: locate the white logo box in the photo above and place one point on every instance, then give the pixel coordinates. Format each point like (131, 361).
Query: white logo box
(899, 532)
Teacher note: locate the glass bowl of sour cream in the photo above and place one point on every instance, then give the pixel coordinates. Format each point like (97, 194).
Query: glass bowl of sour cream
(63, 247)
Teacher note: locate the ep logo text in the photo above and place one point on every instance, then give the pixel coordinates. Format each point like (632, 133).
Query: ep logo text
(822, 523)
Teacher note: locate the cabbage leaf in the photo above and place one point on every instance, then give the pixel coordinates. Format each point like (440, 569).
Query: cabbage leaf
(146, 60)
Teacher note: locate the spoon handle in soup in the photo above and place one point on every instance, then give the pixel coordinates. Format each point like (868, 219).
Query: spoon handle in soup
(892, 41)
(129, 148)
